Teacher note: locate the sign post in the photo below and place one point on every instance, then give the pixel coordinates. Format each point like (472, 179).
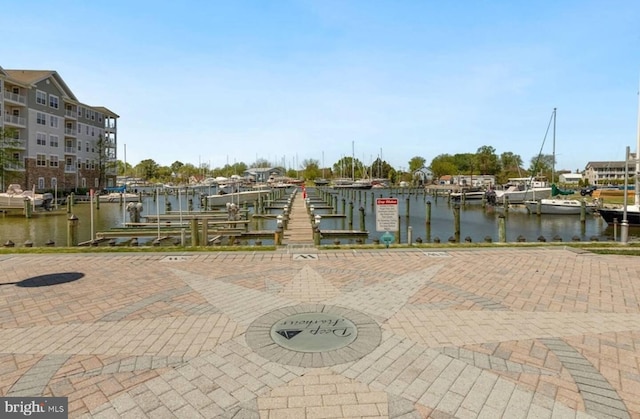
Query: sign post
(387, 218)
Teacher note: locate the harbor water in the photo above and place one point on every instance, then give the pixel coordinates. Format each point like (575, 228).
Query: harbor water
(477, 222)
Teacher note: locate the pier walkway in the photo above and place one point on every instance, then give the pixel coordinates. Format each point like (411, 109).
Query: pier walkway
(299, 231)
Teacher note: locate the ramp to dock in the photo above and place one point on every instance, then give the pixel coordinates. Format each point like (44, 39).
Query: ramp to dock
(299, 230)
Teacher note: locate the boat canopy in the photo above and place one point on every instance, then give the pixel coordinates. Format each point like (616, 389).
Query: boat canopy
(555, 191)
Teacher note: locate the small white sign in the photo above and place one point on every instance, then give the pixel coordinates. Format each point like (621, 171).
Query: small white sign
(387, 214)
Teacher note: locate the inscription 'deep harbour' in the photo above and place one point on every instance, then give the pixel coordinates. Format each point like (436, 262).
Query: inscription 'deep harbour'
(313, 332)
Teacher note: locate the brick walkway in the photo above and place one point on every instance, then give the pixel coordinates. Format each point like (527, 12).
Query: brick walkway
(536, 332)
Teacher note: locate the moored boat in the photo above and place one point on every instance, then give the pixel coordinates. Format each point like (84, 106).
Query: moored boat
(559, 206)
(15, 197)
(244, 197)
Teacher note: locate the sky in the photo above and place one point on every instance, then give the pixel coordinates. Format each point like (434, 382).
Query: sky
(217, 82)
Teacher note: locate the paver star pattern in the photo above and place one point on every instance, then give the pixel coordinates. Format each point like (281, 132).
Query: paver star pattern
(535, 332)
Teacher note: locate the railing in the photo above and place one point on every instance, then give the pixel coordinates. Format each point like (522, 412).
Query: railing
(71, 114)
(13, 166)
(15, 120)
(14, 97)
(70, 150)
(70, 131)
(16, 143)
(70, 169)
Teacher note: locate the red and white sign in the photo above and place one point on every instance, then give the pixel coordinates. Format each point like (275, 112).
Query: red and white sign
(386, 214)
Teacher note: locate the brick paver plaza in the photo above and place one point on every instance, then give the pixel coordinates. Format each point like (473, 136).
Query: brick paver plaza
(465, 333)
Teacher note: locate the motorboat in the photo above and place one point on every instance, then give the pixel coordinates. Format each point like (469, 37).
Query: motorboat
(15, 197)
(118, 194)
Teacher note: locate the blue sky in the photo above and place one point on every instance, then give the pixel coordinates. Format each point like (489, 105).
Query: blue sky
(215, 82)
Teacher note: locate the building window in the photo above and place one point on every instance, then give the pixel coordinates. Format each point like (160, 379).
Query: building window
(41, 160)
(93, 133)
(53, 161)
(86, 164)
(41, 138)
(93, 164)
(53, 140)
(93, 115)
(79, 128)
(41, 118)
(41, 97)
(83, 182)
(40, 183)
(54, 121)
(87, 146)
(87, 126)
(53, 101)
(54, 182)
(79, 145)
(79, 110)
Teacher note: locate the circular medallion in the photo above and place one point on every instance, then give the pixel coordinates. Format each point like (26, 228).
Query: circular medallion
(314, 332)
(313, 335)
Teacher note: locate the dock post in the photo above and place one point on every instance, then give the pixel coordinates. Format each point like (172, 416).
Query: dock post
(351, 215)
(456, 222)
(539, 207)
(69, 205)
(72, 198)
(399, 229)
(502, 230)
(583, 212)
(361, 209)
(194, 232)
(205, 231)
(190, 204)
(406, 210)
(72, 231)
(28, 208)
(409, 235)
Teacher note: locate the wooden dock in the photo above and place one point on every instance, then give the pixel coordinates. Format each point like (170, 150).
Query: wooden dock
(299, 229)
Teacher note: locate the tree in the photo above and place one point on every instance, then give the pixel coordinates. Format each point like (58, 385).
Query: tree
(348, 166)
(486, 160)
(124, 168)
(380, 169)
(416, 163)
(148, 169)
(541, 165)
(8, 144)
(105, 161)
(311, 169)
(442, 165)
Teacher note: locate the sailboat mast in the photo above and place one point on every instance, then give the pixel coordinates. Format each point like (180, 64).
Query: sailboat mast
(553, 162)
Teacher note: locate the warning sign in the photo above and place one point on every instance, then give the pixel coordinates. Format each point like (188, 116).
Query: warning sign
(386, 214)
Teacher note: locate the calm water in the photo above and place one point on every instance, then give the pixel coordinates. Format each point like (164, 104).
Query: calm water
(476, 222)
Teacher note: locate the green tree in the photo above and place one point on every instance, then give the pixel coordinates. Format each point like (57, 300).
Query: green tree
(148, 169)
(347, 166)
(311, 169)
(416, 163)
(8, 145)
(486, 161)
(444, 164)
(541, 165)
(124, 169)
(381, 169)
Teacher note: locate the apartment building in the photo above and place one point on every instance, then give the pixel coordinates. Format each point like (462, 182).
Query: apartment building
(56, 141)
(609, 172)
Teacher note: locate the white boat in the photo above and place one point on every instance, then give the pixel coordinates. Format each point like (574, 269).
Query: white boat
(244, 197)
(468, 195)
(14, 198)
(528, 190)
(119, 197)
(560, 206)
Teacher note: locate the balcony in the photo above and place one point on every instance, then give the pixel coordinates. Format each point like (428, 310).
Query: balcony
(70, 168)
(16, 143)
(70, 150)
(14, 167)
(15, 120)
(15, 98)
(69, 132)
(70, 114)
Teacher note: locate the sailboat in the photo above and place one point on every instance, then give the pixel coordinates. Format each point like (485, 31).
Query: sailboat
(556, 203)
(629, 212)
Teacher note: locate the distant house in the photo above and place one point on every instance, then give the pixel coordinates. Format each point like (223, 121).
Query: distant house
(262, 174)
(574, 178)
(423, 176)
(485, 181)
